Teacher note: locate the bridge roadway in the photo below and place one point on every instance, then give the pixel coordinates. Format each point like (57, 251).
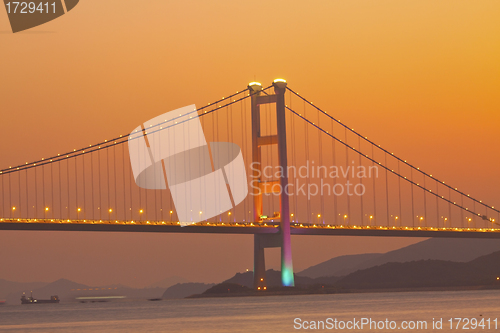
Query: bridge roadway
(243, 228)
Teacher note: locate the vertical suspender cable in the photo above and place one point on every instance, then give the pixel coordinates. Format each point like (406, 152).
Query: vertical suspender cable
(437, 203)
(52, 189)
(425, 203)
(449, 205)
(43, 190)
(412, 200)
(216, 121)
(67, 185)
(321, 165)
(92, 181)
(309, 214)
(347, 166)
(84, 192)
(200, 167)
(374, 190)
(214, 134)
(131, 193)
(114, 174)
(156, 199)
(461, 209)
(334, 161)
(27, 197)
(99, 180)
(399, 194)
(269, 112)
(474, 215)
(20, 208)
(10, 197)
(76, 183)
(108, 181)
(387, 190)
(36, 194)
(123, 184)
(139, 189)
(60, 189)
(361, 182)
(3, 198)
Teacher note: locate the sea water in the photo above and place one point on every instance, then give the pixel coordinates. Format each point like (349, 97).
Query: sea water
(266, 314)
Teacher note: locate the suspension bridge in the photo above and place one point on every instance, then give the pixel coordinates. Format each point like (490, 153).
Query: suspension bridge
(308, 174)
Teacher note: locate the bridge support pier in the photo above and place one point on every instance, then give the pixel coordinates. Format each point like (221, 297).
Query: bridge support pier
(263, 241)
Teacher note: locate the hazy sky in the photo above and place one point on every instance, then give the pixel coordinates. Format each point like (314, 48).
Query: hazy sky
(419, 77)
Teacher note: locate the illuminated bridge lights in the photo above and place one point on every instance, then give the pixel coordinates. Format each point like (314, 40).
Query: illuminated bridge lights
(254, 225)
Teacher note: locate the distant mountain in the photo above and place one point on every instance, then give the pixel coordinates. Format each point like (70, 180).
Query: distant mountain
(229, 288)
(448, 249)
(7, 287)
(238, 283)
(482, 271)
(182, 290)
(61, 285)
(339, 266)
(168, 282)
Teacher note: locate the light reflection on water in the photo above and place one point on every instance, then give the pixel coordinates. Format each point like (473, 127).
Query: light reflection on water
(249, 314)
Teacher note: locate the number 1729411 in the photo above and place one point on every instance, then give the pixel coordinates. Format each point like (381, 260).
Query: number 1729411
(473, 323)
(30, 7)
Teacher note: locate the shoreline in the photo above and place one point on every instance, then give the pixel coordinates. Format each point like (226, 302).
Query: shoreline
(330, 291)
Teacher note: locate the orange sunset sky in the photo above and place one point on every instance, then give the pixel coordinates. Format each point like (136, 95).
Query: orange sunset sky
(421, 78)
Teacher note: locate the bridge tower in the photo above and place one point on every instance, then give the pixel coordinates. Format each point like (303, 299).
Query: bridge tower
(282, 240)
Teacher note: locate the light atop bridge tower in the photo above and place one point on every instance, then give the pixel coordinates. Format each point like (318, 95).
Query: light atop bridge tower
(279, 84)
(254, 86)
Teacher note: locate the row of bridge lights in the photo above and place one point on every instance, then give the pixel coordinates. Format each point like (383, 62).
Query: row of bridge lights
(110, 210)
(396, 218)
(345, 217)
(141, 211)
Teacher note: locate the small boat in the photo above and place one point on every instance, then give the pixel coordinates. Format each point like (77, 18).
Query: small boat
(155, 299)
(31, 300)
(2, 301)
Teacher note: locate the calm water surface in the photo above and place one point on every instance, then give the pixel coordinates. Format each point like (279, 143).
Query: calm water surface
(253, 314)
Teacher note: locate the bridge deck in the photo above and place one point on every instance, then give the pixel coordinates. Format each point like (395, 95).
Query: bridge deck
(243, 228)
